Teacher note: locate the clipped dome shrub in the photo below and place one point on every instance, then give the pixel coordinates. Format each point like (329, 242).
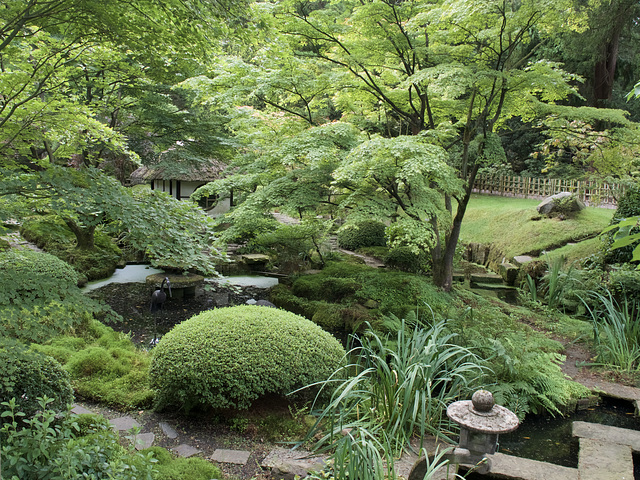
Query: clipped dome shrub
(26, 375)
(229, 357)
(39, 297)
(369, 233)
(33, 277)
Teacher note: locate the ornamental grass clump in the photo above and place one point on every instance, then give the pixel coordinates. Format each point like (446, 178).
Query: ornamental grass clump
(397, 387)
(229, 357)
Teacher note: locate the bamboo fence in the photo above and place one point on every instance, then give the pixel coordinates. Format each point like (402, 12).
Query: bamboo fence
(591, 192)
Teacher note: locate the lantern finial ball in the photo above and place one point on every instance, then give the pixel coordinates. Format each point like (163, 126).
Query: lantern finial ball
(482, 401)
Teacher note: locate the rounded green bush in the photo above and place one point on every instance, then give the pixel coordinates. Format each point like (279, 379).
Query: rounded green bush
(27, 375)
(404, 259)
(34, 277)
(229, 357)
(368, 233)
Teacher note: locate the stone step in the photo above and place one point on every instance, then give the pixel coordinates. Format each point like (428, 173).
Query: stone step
(607, 434)
(507, 466)
(124, 423)
(492, 286)
(485, 278)
(237, 457)
(602, 460)
(522, 259)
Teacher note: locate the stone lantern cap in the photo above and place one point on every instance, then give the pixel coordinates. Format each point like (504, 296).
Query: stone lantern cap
(481, 414)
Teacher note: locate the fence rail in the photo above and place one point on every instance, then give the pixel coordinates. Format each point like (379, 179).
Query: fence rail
(591, 192)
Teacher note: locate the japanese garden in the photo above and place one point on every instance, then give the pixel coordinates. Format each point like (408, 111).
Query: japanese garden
(329, 239)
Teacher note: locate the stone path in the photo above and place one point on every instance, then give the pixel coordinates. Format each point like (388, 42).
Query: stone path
(606, 453)
(16, 241)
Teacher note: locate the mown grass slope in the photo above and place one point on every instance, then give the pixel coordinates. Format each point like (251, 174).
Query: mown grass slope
(515, 227)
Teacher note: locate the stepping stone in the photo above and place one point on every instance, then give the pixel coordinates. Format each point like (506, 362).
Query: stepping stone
(142, 440)
(168, 430)
(185, 450)
(507, 466)
(606, 434)
(601, 460)
(522, 259)
(238, 457)
(79, 410)
(124, 423)
(483, 278)
(287, 464)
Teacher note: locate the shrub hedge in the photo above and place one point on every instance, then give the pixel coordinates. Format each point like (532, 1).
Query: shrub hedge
(229, 357)
(628, 206)
(369, 233)
(26, 375)
(39, 297)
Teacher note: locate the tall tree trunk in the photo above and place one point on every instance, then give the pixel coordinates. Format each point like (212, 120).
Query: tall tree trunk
(85, 236)
(605, 70)
(442, 258)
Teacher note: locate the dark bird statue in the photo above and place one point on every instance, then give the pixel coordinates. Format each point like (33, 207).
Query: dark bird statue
(159, 296)
(260, 303)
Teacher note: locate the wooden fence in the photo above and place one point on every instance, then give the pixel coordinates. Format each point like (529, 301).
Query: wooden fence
(591, 192)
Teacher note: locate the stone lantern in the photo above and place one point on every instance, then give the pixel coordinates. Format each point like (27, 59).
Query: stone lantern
(481, 421)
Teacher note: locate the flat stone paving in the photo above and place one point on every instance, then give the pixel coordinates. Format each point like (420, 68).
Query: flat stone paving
(601, 460)
(238, 457)
(613, 390)
(168, 430)
(185, 450)
(142, 440)
(507, 466)
(79, 410)
(604, 433)
(284, 462)
(124, 423)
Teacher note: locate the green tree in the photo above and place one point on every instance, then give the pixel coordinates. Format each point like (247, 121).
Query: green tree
(71, 70)
(451, 72)
(173, 234)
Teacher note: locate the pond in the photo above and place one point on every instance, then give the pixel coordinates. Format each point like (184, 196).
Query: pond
(137, 273)
(549, 439)
(128, 274)
(128, 295)
(247, 281)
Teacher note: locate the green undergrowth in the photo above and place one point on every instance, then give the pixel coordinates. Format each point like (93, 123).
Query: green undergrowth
(344, 296)
(273, 419)
(526, 362)
(514, 226)
(168, 467)
(104, 365)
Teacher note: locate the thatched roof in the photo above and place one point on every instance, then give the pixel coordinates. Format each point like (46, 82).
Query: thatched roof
(206, 173)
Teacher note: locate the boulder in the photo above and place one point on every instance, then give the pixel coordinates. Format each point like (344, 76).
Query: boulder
(558, 204)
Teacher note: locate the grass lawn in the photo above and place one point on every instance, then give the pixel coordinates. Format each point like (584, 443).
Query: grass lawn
(514, 226)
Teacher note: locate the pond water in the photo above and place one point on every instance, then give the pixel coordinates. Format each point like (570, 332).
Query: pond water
(128, 274)
(549, 439)
(138, 273)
